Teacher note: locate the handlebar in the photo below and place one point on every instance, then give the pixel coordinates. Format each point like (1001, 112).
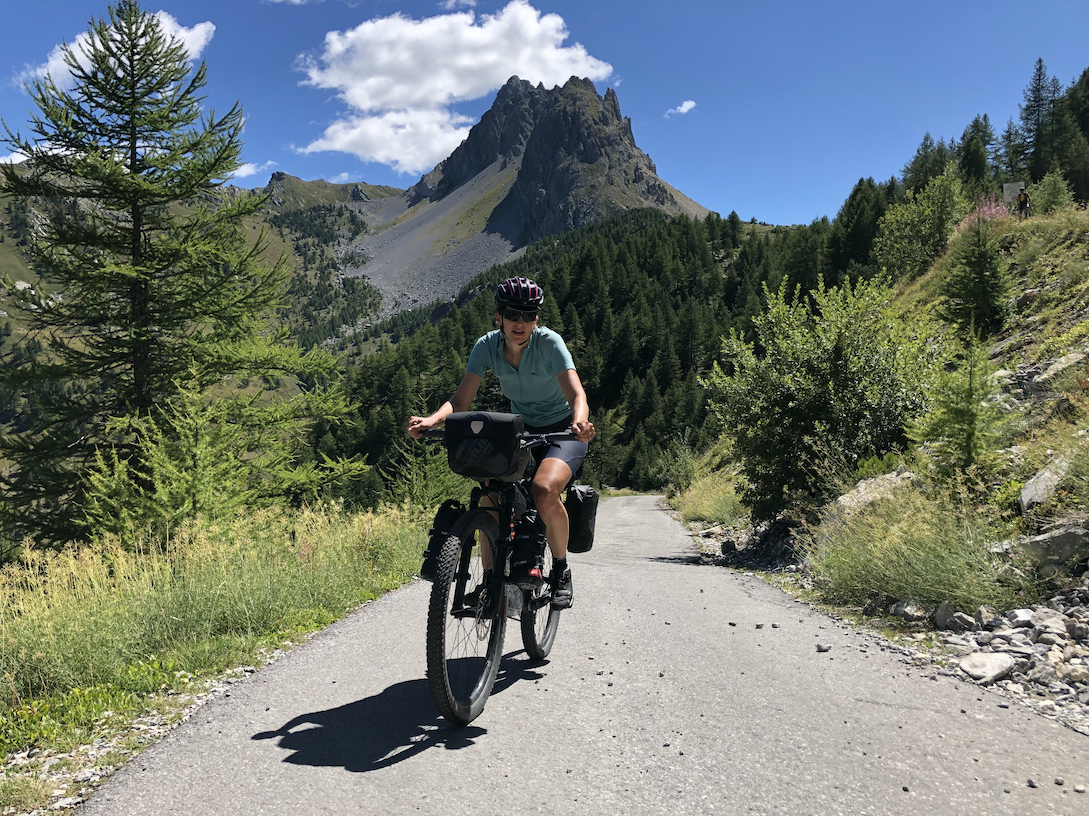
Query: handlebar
(529, 440)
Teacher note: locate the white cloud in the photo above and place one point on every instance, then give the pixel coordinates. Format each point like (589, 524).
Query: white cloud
(400, 77)
(13, 158)
(251, 169)
(194, 39)
(341, 178)
(409, 141)
(450, 5)
(682, 108)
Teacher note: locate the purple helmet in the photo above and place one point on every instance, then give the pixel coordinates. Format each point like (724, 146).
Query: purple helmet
(518, 293)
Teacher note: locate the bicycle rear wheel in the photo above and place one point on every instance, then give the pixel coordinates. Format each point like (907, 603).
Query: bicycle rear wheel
(539, 620)
(464, 647)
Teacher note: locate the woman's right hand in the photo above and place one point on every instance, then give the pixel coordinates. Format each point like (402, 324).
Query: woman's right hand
(417, 425)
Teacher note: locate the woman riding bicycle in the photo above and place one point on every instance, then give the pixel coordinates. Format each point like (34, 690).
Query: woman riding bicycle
(537, 374)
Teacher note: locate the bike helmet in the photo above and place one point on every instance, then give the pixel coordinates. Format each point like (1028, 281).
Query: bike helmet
(518, 293)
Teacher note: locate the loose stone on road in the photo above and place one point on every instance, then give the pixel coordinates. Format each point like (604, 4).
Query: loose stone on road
(672, 688)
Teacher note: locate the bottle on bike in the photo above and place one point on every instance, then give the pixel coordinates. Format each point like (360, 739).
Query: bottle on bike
(536, 372)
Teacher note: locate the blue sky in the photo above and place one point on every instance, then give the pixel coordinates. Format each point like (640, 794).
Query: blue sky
(772, 109)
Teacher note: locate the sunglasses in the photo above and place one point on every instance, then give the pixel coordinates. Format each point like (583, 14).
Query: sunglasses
(513, 314)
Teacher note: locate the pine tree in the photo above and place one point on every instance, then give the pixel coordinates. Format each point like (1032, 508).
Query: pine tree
(1012, 151)
(976, 289)
(152, 291)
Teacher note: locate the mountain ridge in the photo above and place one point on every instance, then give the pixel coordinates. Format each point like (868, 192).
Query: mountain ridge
(539, 162)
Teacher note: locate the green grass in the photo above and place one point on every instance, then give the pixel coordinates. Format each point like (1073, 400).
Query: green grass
(921, 545)
(94, 630)
(23, 793)
(712, 497)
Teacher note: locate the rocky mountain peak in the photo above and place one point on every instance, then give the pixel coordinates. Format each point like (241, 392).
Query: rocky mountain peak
(576, 159)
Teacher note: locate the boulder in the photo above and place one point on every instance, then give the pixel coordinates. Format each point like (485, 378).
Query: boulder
(1020, 618)
(986, 668)
(1041, 487)
(1059, 366)
(943, 614)
(964, 623)
(1055, 551)
(909, 611)
(985, 614)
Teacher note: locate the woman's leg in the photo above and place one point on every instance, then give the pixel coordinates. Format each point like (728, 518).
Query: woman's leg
(549, 481)
(487, 500)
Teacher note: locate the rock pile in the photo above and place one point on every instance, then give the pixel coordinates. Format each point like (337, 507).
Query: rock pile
(1038, 656)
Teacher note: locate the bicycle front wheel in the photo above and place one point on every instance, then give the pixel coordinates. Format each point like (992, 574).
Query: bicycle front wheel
(464, 635)
(539, 620)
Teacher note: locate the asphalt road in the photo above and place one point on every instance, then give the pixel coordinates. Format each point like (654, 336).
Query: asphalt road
(673, 688)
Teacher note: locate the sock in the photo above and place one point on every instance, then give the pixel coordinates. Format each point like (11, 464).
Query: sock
(559, 566)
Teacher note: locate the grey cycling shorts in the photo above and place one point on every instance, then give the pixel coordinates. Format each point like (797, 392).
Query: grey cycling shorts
(572, 452)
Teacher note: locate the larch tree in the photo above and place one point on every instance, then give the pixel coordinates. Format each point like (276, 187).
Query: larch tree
(148, 285)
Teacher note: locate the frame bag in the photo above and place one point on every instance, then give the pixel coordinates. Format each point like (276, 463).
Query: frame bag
(486, 445)
(581, 507)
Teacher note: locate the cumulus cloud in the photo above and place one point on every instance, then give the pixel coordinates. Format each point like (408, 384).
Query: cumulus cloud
(400, 77)
(251, 169)
(194, 39)
(682, 108)
(450, 5)
(13, 158)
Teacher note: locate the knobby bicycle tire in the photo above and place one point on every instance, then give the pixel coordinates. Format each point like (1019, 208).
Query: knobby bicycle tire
(539, 620)
(463, 648)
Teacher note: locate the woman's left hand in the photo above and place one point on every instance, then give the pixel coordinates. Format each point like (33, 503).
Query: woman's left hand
(583, 430)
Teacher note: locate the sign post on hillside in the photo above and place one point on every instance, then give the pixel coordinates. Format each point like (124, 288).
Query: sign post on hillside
(1010, 191)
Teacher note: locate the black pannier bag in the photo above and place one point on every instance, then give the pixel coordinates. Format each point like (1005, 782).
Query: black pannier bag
(448, 514)
(486, 445)
(581, 504)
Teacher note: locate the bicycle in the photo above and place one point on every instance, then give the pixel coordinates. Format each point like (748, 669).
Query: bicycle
(466, 618)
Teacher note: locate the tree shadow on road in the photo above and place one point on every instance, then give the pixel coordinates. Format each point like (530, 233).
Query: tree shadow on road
(390, 727)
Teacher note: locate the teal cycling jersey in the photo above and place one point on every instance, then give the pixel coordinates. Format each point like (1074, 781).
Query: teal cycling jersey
(532, 388)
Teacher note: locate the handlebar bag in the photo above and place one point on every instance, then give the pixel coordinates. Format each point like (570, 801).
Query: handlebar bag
(581, 504)
(486, 445)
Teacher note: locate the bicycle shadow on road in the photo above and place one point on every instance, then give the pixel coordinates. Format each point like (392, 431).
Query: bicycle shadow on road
(380, 731)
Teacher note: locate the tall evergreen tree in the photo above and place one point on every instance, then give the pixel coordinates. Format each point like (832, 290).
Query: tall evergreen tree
(138, 294)
(1011, 155)
(854, 229)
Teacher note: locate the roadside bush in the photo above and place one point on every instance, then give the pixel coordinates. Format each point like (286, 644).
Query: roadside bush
(836, 371)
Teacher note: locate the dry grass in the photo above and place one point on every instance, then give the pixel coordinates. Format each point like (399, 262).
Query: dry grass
(95, 629)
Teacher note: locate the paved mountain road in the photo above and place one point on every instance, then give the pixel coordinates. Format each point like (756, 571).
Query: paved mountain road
(669, 690)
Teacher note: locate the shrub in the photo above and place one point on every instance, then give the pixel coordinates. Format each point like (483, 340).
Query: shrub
(912, 234)
(837, 372)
